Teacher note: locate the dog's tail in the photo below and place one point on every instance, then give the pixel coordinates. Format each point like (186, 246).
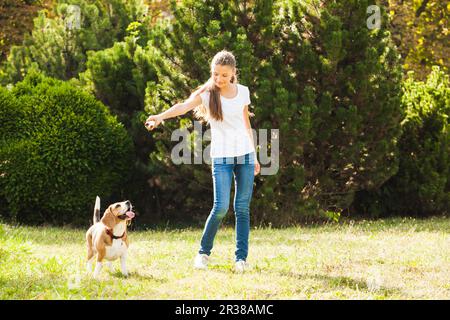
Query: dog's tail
(97, 210)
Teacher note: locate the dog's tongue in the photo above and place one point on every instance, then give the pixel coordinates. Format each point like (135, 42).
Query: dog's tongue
(130, 214)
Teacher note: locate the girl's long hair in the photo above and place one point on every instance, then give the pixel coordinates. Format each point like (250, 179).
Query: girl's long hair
(214, 110)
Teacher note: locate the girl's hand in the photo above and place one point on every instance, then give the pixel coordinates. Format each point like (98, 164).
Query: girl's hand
(257, 167)
(152, 122)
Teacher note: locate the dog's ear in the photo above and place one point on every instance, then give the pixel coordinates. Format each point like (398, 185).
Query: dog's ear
(108, 218)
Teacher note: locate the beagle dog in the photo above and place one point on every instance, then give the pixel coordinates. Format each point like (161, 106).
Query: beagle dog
(107, 237)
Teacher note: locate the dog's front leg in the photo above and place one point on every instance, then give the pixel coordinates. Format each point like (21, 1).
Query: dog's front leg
(98, 266)
(89, 265)
(123, 264)
(90, 255)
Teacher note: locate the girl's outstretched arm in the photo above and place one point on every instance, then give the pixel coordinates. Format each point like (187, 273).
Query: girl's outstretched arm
(176, 110)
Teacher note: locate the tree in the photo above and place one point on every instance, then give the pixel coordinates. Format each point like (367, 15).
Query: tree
(422, 184)
(17, 19)
(118, 76)
(420, 30)
(58, 45)
(316, 72)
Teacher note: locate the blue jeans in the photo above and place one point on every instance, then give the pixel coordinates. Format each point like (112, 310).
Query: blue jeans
(222, 171)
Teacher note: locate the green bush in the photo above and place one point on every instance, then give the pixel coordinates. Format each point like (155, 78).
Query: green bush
(422, 183)
(118, 76)
(59, 149)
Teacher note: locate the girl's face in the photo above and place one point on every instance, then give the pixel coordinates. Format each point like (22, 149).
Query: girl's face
(222, 75)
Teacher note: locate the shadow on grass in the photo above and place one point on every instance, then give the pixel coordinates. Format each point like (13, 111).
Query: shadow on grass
(223, 268)
(137, 276)
(343, 282)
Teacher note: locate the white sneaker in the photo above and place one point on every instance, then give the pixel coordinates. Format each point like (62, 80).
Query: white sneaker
(201, 261)
(240, 266)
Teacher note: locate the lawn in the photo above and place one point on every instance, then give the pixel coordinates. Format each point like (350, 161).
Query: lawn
(401, 258)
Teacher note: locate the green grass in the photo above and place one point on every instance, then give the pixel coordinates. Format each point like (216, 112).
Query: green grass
(385, 259)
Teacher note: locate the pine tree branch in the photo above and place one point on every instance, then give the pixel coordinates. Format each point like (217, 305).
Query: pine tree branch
(421, 8)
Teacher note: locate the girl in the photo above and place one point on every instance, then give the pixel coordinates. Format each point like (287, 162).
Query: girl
(223, 103)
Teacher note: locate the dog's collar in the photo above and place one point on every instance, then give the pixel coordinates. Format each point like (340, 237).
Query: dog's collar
(111, 234)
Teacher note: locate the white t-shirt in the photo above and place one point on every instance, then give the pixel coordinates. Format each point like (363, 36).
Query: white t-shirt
(230, 137)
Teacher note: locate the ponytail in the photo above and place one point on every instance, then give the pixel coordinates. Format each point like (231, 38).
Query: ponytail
(214, 109)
